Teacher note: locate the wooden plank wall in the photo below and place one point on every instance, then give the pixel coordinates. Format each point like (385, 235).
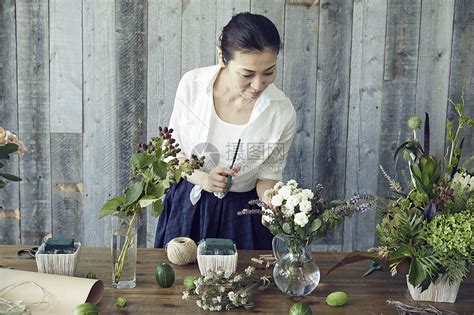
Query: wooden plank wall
(83, 82)
(10, 195)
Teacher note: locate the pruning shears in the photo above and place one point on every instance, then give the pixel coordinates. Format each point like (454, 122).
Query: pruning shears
(374, 266)
(229, 178)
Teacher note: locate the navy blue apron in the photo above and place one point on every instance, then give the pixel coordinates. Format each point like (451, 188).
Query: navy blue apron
(211, 217)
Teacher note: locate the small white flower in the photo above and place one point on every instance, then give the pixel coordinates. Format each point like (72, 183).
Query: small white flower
(292, 201)
(301, 219)
(221, 289)
(198, 302)
(185, 295)
(249, 270)
(267, 218)
(237, 278)
(211, 308)
(285, 192)
(228, 274)
(305, 206)
(243, 294)
(292, 183)
(299, 196)
(278, 186)
(198, 282)
(288, 210)
(277, 200)
(218, 308)
(308, 193)
(231, 295)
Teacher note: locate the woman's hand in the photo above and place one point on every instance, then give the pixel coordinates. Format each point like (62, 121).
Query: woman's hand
(216, 180)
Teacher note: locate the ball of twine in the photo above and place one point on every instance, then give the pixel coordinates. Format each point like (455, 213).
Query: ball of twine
(181, 251)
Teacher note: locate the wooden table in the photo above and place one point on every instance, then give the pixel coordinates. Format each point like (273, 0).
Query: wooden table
(366, 295)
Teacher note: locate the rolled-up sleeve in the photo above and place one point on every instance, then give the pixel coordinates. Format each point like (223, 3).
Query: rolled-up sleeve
(272, 167)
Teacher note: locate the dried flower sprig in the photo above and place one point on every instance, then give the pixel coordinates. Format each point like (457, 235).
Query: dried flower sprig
(222, 291)
(394, 185)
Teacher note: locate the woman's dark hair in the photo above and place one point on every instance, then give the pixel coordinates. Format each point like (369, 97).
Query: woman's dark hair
(248, 32)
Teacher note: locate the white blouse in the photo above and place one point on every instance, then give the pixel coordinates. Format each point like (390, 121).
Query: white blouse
(265, 139)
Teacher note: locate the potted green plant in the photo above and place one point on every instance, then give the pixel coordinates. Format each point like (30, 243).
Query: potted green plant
(154, 168)
(427, 230)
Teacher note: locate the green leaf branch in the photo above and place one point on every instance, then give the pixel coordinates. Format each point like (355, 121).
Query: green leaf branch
(155, 167)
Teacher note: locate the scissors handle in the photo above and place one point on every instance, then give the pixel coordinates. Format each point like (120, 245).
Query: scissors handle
(229, 181)
(27, 253)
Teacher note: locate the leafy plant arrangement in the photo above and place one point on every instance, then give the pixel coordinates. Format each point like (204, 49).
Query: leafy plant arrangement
(154, 168)
(220, 291)
(428, 232)
(303, 215)
(9, 144)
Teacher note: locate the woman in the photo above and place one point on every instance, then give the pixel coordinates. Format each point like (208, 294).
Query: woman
(214, 108)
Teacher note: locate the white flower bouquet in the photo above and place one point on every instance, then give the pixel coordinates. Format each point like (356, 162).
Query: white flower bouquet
(303, 214)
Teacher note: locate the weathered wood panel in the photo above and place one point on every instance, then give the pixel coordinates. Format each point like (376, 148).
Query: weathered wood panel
(33, 119)
(10, 195)
(275, 11)
(66, 185)
(399, 87)
(164, 73)
(433, 69)
(65, 27)
(462, 67)
(299, 84)
(131, 89)
(66, 118)
(100, 118)
(198, 32)
(332, 100)
(368, 37)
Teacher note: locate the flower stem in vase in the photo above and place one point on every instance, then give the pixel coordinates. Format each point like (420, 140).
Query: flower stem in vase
(123, 252)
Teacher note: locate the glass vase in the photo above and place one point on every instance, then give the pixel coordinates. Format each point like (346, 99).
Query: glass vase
(295, 272)
(280, 245)
(124, 252)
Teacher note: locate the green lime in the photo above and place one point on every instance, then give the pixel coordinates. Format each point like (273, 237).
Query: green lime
(86, 309)
(338, 298)
(300, 309)
(189, 282)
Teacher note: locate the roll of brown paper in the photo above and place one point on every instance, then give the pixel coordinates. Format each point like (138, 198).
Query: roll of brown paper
(62, 293)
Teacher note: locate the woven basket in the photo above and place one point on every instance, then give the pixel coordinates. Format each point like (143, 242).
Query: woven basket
(440, 291)
(212, 263)
(59, 264)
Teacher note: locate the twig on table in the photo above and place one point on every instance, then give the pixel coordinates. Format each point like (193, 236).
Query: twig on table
(405, 309)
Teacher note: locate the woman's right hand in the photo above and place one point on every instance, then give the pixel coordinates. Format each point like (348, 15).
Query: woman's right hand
(216, 180)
